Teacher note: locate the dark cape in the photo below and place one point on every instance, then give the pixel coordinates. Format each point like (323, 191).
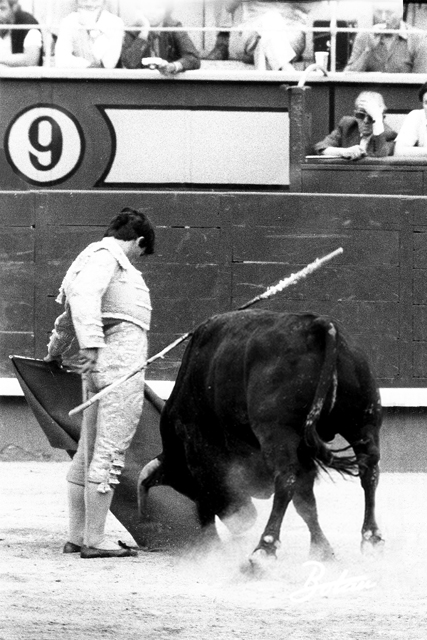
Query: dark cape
(51, 392)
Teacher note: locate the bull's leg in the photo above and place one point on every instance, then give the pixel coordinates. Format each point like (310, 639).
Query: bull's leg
(305, 504)
(284, 487)
(368, 455)
(209, 534)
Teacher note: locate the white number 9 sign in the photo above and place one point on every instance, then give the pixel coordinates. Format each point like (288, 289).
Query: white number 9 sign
(44, 144)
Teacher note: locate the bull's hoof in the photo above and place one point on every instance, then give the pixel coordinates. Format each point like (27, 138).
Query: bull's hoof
(260, 561)
(372, 542)
(322, 553)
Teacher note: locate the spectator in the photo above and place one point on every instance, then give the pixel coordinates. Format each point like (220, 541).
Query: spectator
(363, 134)
(401, 52)
(174, 50)
(265, 39)
(18, 47)
(89, 37)
(412, 137)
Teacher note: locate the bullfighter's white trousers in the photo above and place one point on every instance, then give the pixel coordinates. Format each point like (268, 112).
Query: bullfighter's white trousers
(110, 424)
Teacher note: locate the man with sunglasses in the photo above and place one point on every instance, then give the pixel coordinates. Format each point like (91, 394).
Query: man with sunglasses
(363, 134)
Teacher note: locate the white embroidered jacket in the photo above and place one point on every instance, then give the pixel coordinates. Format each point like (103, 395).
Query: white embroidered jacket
(100, 285)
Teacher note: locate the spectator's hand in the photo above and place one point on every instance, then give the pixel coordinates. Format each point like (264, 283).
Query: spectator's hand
(170, 68)
(87, 360)
(372, 108)
(353, 153)
(142, 21)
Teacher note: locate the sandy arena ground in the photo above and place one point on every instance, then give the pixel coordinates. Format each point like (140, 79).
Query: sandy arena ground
(46, 595)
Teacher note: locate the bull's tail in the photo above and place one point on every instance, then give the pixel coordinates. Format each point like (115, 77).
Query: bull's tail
(317, 448)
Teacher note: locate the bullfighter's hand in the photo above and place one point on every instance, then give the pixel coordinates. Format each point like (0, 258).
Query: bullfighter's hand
(50, 358)
(353, 153)
(87, 360)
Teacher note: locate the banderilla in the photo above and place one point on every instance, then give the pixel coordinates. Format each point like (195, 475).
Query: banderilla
(294, 278)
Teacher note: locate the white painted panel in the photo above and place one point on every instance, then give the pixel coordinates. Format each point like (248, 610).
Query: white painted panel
(210, 147)
(240, 147)
(151, 146)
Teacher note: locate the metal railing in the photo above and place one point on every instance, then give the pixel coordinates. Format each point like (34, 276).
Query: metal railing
(48, 30)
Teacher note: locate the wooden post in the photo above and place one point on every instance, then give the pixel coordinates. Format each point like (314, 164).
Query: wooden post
(299, 133)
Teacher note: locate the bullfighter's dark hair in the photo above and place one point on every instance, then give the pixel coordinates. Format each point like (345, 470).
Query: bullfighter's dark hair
(130, 224)
(422, 91)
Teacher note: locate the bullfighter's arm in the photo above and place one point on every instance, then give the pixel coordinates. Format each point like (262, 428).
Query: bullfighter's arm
(84, 295)
(63, 337)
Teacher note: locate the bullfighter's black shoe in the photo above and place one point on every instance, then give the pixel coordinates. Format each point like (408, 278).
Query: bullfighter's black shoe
(124, 552)
(70, 547)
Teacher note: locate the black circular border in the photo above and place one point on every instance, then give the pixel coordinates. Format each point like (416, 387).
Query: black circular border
(79, 128)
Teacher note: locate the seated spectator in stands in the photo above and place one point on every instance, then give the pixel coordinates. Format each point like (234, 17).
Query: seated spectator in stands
(170, 51)
(265, 39)
(89, 37)
(401, 52)
(412, 137)
(363, 134)
(18, 47)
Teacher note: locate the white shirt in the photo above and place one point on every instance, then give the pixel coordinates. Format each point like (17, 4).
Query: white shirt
(99, 46)
(414, 130)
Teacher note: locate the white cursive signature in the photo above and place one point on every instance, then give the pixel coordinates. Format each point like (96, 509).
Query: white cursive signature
(315, 587)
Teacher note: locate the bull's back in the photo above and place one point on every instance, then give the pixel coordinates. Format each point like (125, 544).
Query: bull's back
(248, 361)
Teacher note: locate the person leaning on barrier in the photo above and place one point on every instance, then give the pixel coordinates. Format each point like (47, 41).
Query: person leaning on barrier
(104, 325)
(401, 52)
(265, 39)
(412, 137)
(89, 37)
(363, 134)
(170, 51)
(18, 48)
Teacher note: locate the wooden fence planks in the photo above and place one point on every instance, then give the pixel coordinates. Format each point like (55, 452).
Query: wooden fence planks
(376, 283)
(361, 247)
(17, 258)
(216, 251)
(343, 179)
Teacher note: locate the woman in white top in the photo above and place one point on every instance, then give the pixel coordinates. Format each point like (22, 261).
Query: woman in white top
(89, 37)
(412, 137)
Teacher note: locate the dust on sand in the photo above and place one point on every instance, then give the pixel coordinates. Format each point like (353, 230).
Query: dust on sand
(205, 595)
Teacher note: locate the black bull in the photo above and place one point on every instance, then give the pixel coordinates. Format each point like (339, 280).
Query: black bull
(258, 396)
